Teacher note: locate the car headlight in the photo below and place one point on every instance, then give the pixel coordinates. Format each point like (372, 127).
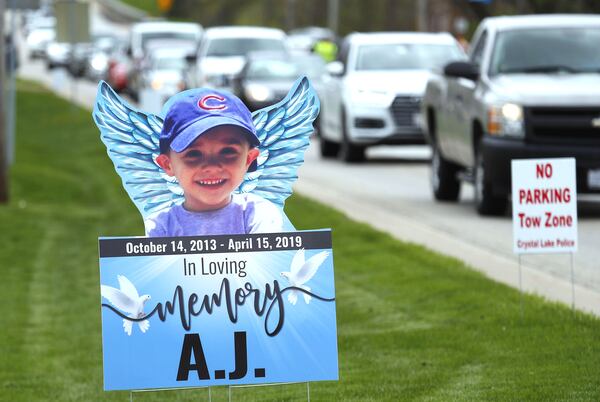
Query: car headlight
(99, 62)
(157, 84)
(56, 50)
(368, 96)
(506, 120)
(258, 93)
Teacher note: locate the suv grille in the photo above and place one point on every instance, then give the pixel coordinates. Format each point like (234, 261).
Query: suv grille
(563, 125)
(404, 108)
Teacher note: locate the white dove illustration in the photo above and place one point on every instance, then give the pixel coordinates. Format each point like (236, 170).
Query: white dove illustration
(127, 300)
(302, 271)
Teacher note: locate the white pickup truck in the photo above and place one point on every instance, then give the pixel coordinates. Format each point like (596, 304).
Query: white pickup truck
(531, 89)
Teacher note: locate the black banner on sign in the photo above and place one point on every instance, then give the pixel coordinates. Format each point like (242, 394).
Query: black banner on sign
(145, 246)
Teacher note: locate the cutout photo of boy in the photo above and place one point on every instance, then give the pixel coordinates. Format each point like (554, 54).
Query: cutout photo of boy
(208, 142)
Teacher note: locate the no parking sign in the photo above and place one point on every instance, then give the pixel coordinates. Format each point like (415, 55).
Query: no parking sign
(544, 204)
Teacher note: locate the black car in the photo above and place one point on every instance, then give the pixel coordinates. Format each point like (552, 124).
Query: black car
(265, 79)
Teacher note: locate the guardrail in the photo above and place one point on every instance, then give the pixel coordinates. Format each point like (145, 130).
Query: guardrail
(117, 11)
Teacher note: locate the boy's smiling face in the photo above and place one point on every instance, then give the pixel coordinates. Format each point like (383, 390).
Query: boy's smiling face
(211, 168)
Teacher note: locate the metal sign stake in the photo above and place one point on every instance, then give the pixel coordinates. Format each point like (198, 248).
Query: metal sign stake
(520, 287)
(572, 283)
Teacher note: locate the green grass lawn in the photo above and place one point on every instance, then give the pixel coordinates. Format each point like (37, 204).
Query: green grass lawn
(412, 324)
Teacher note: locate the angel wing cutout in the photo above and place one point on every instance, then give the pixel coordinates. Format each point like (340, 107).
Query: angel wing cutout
(132, 142)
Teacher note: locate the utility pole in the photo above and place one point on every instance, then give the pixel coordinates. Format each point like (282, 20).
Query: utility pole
(290, 15)
(333, 12)
(422, 16)
(3, 139)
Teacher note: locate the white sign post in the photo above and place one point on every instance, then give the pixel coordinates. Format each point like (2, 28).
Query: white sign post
(544, 203)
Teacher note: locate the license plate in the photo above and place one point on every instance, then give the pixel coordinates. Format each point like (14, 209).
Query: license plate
(593, 179)
(418, 120)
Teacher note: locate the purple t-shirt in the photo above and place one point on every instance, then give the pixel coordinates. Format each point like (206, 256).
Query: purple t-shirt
(246, 213)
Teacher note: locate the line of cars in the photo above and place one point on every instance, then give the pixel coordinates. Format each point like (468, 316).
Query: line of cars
(370, 95)
(256, 63)
(80, 59)
(527, 88)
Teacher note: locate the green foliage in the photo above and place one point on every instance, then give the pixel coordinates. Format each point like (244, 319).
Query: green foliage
(149, 6)
(412, 324)
(354, 15)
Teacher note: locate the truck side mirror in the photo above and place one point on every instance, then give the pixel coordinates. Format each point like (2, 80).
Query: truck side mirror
(462, 69)
(190, 58)
(335, 68)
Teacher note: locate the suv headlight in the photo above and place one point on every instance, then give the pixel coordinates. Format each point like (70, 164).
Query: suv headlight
(367, 96)
(157, 84)
(506, 120)
(258, 93)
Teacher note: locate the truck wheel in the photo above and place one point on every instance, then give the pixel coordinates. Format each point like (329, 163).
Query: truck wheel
(349, 152)
(445, 184)
(329, 149)
(485, 201)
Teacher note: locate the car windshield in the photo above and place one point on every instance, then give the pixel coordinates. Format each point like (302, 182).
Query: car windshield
(167, 36)
(105, 43)
(405, 56)
(272, 70)
(547, 50)
(170, 63)
(227, 47)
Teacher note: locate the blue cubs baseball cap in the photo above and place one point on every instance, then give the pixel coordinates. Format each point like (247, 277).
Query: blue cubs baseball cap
(191, 113)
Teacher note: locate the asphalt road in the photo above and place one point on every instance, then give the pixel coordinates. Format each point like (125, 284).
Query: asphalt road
(391, 191)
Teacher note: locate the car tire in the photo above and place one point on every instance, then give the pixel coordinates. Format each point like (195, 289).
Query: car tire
(486, 202)
(329, 149)
(349, 152)
(444, 181)
(134, 95)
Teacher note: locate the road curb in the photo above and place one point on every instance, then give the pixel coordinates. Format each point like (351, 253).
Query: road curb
(494, 266)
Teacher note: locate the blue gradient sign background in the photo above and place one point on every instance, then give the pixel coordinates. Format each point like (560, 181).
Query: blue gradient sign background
(305, 348)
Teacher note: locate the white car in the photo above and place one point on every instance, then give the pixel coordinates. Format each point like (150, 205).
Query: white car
(143, 33)
(165, 72)
(146, 35)
(223, 51)
(39, 35)
(373, 93)
(58, 54)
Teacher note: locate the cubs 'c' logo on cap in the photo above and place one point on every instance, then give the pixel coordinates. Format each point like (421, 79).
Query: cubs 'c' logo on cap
(212, 102)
